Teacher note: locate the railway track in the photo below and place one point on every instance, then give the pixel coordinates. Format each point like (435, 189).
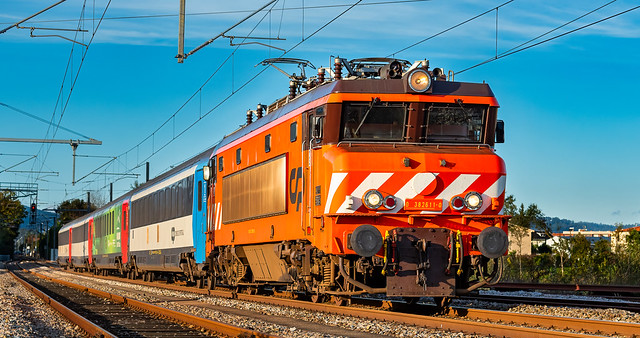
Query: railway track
(595, 289)
(101, 314)
(495, 323)
(533, 300)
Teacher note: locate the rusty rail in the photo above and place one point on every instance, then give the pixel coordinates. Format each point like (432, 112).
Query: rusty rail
(90, 328)
(458, 325)
(207, 324)
(608, 289)
(562, 323)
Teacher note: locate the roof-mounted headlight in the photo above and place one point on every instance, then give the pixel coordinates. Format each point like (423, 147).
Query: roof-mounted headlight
(372, 199)
(418, 81)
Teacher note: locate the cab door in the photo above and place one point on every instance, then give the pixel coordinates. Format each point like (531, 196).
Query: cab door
(212, 209)
(314, 127)
(199, 215)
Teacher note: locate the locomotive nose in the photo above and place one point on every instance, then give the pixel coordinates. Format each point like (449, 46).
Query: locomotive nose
(493, 242)
(366, 240)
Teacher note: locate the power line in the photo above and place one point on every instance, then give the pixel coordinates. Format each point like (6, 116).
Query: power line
(226, 98)
(172, 117)
(41, 119)
(450, 28)
(75, 79)
(230, 12)
(505, 54)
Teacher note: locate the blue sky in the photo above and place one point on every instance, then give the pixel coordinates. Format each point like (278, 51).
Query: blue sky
(568, 104)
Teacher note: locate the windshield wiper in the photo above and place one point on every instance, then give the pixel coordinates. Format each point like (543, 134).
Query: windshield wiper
(374, 101)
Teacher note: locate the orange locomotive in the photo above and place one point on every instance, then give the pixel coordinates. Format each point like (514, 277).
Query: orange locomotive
(384, 181)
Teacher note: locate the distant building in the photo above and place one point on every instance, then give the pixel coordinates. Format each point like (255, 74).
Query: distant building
(520, 246)
(619, 239)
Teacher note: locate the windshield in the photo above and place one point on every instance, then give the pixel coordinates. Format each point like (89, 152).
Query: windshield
(454, 123)
(373, 121)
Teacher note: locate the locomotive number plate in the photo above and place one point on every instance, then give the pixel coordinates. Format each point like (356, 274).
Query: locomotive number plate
(423, 204)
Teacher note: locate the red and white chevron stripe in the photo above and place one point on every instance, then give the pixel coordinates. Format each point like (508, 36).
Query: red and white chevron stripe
(347, 188)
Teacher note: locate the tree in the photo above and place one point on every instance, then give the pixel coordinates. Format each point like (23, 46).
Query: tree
(12, 212)
(562, 248)
(581, 258)
(521, 221)
(72, 209)
(134, 185)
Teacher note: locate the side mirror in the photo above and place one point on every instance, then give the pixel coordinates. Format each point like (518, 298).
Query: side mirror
(499, 131)
(318, 122)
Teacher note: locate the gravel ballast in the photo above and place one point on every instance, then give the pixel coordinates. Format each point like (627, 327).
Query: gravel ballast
(23, 314)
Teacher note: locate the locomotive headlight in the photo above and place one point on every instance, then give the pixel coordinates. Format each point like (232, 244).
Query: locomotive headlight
(372, 199)
(473, 201)
(419, 80)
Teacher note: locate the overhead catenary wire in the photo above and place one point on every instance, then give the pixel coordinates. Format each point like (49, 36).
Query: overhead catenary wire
(75, 79)
(517, 50)
(153, 16)
(450, 28)
(41, 119)
(220, 103)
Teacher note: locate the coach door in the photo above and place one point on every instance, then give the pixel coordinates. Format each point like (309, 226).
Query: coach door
(70, 245)
(200, 215)
(124, 237)
(90, 241)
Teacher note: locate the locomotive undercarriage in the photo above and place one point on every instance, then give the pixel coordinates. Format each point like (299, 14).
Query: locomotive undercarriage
(416, 263)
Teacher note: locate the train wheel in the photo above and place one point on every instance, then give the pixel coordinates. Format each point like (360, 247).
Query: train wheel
(152, 276)
(341, 301)
(200, 283)
(317, 298)
(145, 276)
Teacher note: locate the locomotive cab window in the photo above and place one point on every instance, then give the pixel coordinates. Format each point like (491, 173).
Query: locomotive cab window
(454, 123)
(220, 163)
(373, 121)
(238, 155)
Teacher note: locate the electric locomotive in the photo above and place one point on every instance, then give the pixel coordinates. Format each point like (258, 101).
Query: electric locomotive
(384, 181)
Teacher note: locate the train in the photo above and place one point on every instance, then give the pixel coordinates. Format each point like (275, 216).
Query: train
(384, 180)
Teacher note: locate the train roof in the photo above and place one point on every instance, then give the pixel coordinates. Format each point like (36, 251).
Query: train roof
(200, 157)
(374, 86)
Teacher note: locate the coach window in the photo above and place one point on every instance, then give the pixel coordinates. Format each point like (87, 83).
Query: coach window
(293, 132)
(220, 163)
(238, 155)
(267, 143)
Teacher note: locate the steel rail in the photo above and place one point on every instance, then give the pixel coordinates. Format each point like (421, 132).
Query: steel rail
(87, 326)
(458, 325)
(207, 324)
(609, 289)
(566, 323)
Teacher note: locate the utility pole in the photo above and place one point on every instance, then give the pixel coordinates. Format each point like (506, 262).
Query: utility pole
(180, 55)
